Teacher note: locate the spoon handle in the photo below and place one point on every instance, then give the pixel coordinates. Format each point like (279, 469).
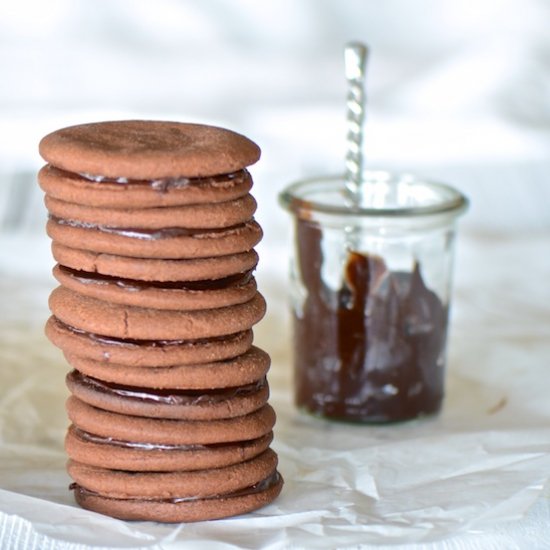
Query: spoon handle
(355, 57)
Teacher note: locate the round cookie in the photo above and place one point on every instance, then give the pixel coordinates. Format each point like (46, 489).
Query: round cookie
(145, 353)
(207, 404)
(196, 216)
(99, 317)
(144, 149)
(183, 510)
(174, 243)
(236, 371)
(146, 269)
(171, 432)
(123, 193)
(174, 484)
(188, 295)
(121, 455)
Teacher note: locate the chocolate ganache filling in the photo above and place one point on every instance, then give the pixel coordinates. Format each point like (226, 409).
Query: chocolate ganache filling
(263, 485)
(162, 185)
(144, 446)
(114, 341)
(167, 396)
(231, 281)
(152, 234)
(371, 350)
(101, 440)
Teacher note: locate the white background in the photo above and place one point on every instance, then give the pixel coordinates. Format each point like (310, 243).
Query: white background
(457, 90)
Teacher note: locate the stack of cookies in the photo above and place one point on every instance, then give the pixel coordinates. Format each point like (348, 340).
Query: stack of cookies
(153, 231)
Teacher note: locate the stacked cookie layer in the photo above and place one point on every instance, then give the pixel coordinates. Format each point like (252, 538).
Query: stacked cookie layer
(153, 231)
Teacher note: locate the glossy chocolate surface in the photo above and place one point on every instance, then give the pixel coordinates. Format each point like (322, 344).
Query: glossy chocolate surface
(165, 396)
(145, 446)
(150, 234)
(371, 350)
(232, 281)
(161, 185)
(131, 342)
(263, 485)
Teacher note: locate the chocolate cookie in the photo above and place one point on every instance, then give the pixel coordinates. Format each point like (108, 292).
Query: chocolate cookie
(241, 370)
(182, 484)
(107, 350)
(173, 243)
(153, 269)
(99, 317)
(184, 509)
(123, 193)
(185, 295)
(148, 150)
(195, 216)
(108, 452)
(147, 430)
(179, 404)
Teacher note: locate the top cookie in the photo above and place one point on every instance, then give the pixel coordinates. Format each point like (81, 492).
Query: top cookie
(147, 150)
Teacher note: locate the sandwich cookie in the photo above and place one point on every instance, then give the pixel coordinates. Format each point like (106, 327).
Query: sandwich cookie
(185, 295)
(175, 484)
(148, 150)
(184, 509)
(177, 404)
(147, 430)
(121, 192)
(171, 243)
(97, 316)
(116, 454)
(142, 353)
(219, 215)
(242, 370)
(153, 269)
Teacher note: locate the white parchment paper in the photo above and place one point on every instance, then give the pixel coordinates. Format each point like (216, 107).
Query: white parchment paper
(484, 460)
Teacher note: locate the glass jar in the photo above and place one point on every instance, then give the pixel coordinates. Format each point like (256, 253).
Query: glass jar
(370, 293)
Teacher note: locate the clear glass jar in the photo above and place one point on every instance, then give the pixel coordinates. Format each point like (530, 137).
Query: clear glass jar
(370, 292)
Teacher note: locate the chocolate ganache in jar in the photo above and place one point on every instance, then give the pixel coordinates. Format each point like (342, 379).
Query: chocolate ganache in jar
(370, 291)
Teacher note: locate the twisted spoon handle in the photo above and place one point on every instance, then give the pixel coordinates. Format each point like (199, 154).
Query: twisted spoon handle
(355, 57)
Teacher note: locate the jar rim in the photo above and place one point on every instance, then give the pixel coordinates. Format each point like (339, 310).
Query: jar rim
(452, 201)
